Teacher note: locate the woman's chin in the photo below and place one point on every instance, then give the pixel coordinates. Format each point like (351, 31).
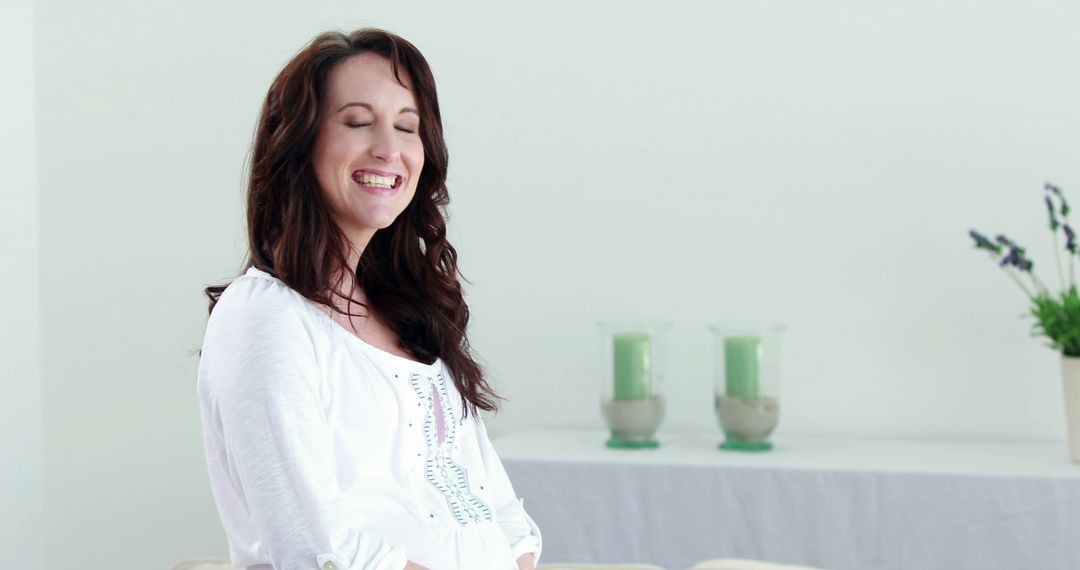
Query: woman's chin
(377, 218)
(380, 223)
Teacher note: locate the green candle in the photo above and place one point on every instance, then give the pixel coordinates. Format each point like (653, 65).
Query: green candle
(742, 367)
(633, 366)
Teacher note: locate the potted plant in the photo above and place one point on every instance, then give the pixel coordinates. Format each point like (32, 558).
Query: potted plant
(1057, 316)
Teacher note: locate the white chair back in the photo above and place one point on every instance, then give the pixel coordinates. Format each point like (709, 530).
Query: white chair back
(740, 564)
(597, 567)
(203, 565)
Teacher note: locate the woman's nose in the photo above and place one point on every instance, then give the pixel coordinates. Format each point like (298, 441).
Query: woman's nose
(384, 146)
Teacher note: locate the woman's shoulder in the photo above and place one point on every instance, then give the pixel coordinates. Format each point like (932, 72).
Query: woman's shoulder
(260, 319)
(256, 297)
(260, 336)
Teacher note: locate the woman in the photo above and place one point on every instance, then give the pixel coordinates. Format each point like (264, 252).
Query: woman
(338, 394)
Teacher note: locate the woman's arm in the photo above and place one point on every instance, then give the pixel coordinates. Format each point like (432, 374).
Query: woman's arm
(259, 388)
(520, 530)
(527, 562)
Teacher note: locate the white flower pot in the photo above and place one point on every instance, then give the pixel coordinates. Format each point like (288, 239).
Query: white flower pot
(1070, 377)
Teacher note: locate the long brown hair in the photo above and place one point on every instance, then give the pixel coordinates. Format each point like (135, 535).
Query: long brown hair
(408, 270)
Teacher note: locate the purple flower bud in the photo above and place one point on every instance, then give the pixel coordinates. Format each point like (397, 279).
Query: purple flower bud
(1061, 196)
(1015, 257)
(982, 243)
(1009, 243)
(1050, 210)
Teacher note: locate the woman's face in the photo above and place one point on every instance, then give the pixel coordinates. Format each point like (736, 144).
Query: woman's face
(367, 154)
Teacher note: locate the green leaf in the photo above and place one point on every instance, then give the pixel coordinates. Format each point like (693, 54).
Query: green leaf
(1058, 319)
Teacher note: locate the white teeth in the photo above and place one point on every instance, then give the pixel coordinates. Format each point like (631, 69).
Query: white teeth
(375, 180)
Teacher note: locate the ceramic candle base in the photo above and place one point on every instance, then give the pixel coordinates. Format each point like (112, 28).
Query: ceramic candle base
(633, 423)
(747, 423)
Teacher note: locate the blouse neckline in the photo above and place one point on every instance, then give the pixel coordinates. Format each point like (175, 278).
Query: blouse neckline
(391, 358)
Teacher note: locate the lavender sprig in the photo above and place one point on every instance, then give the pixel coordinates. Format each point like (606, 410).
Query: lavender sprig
(1053, 191)
(1050, 210)
(982, 243)
(1017, 257)
(1014, 258)
(1057, 191)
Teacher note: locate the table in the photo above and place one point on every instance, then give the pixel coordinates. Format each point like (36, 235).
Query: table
(840, 504)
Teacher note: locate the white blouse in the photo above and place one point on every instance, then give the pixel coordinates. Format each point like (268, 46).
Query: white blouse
(327, 453)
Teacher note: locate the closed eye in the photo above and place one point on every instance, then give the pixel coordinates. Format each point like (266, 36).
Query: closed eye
(406, 130)
(357, 125)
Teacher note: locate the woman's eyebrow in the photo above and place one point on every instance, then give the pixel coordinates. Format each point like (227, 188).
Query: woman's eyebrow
(368, 107)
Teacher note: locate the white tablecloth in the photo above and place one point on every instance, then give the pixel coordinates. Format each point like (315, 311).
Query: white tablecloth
(830, 503)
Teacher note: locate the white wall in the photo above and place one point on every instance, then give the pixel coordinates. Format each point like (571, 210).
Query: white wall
(813, 163)
(20, 378)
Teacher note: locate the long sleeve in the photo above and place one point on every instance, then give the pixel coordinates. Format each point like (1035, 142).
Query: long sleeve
(520, 529)
(259, 387)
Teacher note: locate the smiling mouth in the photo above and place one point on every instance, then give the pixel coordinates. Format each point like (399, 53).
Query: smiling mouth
(372, 180)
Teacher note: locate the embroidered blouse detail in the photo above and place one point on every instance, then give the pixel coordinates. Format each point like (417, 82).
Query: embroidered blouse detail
(440, 434)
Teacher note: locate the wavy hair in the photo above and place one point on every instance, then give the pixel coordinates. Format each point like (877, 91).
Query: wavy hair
(408, 270)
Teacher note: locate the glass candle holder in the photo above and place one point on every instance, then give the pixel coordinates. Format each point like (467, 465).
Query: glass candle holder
(746, 365)
(633, 357)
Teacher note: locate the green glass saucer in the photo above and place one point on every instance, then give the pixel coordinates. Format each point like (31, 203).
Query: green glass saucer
(627, 444)
(739, 445)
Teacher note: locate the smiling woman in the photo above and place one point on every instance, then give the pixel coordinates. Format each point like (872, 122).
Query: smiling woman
(337, 437)
(369, 142)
